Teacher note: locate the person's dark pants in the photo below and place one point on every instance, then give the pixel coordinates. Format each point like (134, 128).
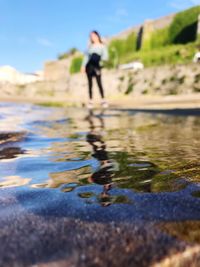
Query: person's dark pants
(90, 77)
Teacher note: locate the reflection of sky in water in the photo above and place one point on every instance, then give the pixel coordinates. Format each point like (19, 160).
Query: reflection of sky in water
(68, 149)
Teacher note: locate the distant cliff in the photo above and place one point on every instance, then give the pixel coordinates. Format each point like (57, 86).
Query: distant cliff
(10, 75)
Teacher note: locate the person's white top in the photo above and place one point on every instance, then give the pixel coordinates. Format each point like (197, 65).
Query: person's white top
(99, 49)
(196, 57)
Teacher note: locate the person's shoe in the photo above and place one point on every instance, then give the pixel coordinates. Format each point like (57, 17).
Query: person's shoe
(104, 104)
(90, 105)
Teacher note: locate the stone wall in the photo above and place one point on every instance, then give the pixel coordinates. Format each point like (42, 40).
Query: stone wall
(57, 70)
(163, 22)
(165, 80)
(126, 33)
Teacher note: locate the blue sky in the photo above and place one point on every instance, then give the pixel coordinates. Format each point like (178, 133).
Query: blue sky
(34, 31)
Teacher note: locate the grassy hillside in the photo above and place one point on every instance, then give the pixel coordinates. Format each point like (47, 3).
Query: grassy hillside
(184, 26)
(76, 64)
(171, 54)
(173, 44)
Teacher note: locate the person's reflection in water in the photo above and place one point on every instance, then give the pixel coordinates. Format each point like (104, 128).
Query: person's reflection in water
(103, 175)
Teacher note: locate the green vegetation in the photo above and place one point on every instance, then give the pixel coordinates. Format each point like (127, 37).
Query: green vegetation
(197, 78)
(119, 48)
(20, 89)
(122, 78)
(184, 26)
(51, 104)
(131, 43)
(124, 46)
(130, 87)
(56, 104)
(160, 38)
(167, 183)
(174, 54)
(67, 54)
(169, 54)
(76, 64)
(145, 92)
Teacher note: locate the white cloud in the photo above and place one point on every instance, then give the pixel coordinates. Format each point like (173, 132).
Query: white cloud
(195, 2)
(119, 15)
(121, 12)
(44, 42)
(182, 4)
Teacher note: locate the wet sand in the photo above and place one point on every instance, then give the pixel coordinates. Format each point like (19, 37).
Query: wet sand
(40, 229)
(34, 240)
(44, 227)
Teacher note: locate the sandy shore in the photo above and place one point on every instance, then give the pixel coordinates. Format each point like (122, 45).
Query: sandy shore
(127, 102)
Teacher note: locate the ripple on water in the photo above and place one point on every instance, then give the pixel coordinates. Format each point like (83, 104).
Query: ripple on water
(138, 152)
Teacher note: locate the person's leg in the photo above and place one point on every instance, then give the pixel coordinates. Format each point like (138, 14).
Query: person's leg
(99, 83)
(90, 84)
(104, 103)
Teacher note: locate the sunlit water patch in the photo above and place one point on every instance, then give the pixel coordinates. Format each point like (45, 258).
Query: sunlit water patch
(94, 155)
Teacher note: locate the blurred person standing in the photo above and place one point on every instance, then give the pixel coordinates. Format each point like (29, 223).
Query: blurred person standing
(92, 64)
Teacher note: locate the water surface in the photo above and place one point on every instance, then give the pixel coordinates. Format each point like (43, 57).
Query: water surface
(104, 164)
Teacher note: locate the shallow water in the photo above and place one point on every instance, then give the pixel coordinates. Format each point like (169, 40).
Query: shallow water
(142, 163)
